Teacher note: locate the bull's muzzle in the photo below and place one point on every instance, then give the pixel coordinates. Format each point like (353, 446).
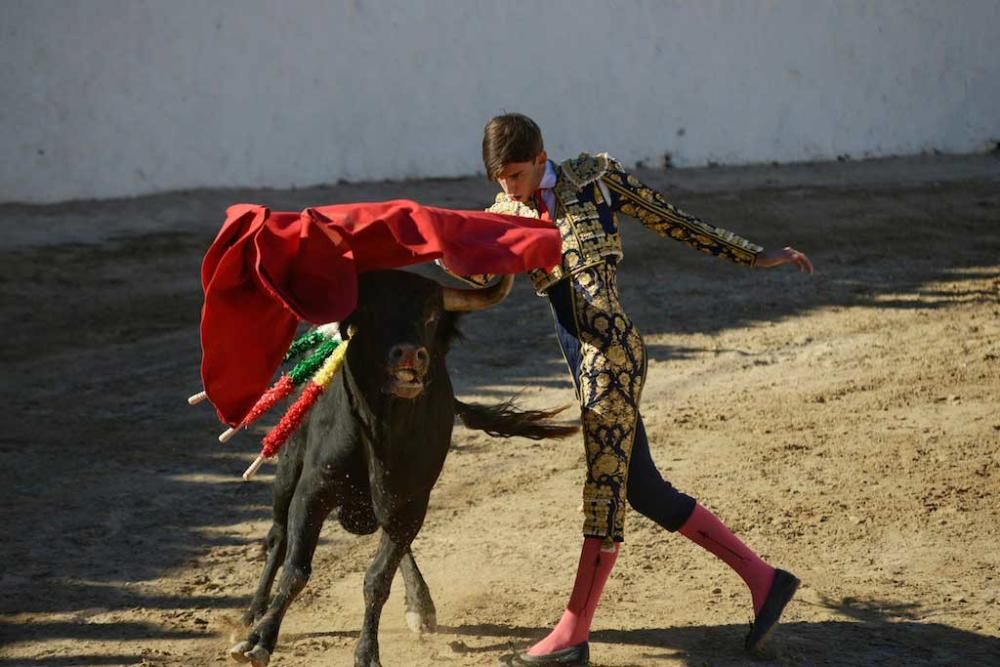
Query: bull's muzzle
(407, 369)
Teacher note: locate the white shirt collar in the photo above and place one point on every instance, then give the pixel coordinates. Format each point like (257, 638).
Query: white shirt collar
(549, 178)
(545, 186)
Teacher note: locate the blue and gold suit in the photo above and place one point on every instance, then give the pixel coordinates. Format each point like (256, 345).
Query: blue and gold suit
(603, 348)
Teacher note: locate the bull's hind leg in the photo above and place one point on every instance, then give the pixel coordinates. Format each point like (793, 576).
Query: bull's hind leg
(420, 613)
(285, 479)
(314, 497)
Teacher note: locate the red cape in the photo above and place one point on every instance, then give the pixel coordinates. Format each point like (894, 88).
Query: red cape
(267, 270)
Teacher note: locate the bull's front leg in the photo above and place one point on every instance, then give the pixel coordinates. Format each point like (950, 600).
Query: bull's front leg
(378, 581)
(314, 498)
(275, 544)
(420, 613)
(285, 480)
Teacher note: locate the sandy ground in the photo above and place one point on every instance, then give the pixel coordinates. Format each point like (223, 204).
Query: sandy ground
(846, 425)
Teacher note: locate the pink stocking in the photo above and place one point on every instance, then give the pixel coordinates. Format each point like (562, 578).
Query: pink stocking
(591, 574)
(704, 529)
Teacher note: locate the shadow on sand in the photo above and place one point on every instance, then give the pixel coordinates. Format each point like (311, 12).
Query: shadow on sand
(874, 632)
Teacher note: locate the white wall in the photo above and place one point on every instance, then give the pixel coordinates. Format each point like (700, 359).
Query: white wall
(120, 97)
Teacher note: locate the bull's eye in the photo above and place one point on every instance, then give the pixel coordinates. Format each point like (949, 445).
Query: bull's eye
(432, 319)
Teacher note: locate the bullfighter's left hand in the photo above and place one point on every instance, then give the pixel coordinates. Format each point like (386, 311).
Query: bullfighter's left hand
(768, 259)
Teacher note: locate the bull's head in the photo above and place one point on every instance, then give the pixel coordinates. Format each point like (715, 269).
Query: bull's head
(402, 326)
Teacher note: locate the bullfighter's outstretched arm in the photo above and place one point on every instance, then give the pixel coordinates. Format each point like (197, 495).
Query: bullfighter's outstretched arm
(633, 198)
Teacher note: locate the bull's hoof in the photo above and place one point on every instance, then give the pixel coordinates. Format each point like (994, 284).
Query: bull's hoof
(421, 623)
(238, 652)
(258, 656)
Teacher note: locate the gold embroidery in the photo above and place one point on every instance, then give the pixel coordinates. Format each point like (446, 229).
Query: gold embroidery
(506, 205)
(612, 356)
(650, 208)
(612, 365)
(589, 227)
(586, 243)
(585, 169)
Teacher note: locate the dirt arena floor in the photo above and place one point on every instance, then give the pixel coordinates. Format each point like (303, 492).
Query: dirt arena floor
(846, 425)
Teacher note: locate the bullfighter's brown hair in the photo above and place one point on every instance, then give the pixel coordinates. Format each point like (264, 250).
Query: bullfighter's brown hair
(512, 137)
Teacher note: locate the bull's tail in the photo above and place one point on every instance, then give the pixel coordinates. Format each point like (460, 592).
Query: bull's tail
(505, 420)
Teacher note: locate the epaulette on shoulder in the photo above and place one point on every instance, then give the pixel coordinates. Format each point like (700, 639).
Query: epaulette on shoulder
(508, 206)
(586, 168)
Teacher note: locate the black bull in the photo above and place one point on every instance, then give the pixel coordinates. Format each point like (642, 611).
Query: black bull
(372, 449)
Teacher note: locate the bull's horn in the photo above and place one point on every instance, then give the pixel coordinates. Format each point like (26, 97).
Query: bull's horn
(468, 300)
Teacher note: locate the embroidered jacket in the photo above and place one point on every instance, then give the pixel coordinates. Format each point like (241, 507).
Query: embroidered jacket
(590, 190)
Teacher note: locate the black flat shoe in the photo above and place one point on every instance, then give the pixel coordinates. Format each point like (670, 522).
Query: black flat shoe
(782, 589)
(574, 656)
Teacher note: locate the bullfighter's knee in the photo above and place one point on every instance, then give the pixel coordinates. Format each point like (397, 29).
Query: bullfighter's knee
(661, 503)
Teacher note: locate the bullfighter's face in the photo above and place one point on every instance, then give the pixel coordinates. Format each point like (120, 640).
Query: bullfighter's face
(519, 180)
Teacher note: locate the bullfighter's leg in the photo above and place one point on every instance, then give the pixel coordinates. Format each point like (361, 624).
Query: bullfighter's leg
(651, 495)
(606, 356)
(314, 497)
(396, 539)
(285, 479)
(770, 589)
(421, 615)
